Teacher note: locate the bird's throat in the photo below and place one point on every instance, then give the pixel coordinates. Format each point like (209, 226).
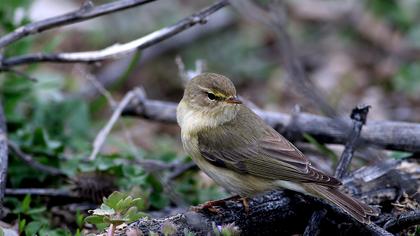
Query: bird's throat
(193, 121)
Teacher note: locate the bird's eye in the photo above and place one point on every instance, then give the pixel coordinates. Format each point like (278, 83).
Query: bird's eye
(211, 96)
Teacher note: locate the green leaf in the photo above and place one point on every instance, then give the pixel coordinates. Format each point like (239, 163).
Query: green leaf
(114, 198)
(33, 227)
(79, 219)
(321, 147)
(139, 203)
(25, 203)
(36, 210)
(131, 213)
(22, 224)
(124, 204)
(103, 211)
(94, 219)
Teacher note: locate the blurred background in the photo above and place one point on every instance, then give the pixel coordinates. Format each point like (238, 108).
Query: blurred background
(354, 52)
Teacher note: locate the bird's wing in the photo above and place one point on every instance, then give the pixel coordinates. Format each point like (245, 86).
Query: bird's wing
(270, 156)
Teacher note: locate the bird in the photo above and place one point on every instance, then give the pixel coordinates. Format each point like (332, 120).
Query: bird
(240, 152)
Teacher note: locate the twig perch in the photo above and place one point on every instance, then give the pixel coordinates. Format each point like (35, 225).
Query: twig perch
(377, 133)
(358, 115)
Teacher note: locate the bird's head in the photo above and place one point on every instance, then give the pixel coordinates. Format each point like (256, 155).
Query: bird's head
(210, 92)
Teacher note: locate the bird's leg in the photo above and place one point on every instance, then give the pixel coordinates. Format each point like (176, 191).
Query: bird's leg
(210, 205)
(245, 203)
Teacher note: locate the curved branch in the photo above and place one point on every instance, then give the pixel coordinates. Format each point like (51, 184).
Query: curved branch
(85, 12)
(118, 50)
(28, 159)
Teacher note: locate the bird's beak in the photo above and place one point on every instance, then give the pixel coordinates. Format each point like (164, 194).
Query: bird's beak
(233, 100)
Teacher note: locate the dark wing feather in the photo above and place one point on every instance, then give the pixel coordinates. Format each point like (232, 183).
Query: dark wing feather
(268, 156)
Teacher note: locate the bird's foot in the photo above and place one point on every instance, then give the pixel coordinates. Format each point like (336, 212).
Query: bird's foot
(245, 203)
(210, 206)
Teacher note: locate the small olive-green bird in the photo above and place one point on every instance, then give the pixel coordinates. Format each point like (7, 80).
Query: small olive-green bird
(235, 147)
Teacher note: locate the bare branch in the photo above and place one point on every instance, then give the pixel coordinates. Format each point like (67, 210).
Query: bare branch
(87, 11)
(358, 115)
(118, 50)
(41, 191)
(3, 154)
(31, 162)
(100, 138)
(377, 133)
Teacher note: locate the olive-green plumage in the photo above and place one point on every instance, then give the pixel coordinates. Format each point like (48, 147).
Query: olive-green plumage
(235, 147)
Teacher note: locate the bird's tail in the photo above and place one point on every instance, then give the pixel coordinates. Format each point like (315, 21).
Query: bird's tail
(359, 210)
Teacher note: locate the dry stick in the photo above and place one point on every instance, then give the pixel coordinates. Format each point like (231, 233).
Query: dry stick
(100, 138)
(28, 159)
(378, 133)
(87, 11)
(3, 154)
(118, 50)
(358, 115)
(51, 192)
(403, 221)
(112, 103)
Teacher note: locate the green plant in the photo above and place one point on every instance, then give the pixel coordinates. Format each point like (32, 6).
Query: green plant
(117, 209)
(24, 208)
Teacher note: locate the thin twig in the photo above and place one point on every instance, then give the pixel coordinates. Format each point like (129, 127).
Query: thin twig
(113, 104)
(28, 159)
(41, 191)
(100, 138)
(98, 86)
(3, 154)
(181, 169)
(87, 11)
(403, 221)
(186, 74)
(358, 115)
(118, 50)
(21, 74)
